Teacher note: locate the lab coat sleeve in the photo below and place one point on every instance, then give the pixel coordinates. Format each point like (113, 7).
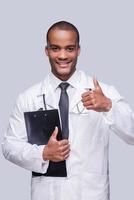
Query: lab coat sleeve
(120, 118)
(15, 145)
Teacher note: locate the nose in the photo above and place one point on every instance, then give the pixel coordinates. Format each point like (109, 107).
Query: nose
(62, 55)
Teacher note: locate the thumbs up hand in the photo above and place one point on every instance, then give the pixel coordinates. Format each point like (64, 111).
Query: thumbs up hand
(95, 99)
(56, 150)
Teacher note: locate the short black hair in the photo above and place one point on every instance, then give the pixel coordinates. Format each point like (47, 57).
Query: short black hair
(63, 25)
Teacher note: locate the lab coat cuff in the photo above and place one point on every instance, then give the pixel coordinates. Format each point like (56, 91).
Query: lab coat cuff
(109, 116)
(44, 163)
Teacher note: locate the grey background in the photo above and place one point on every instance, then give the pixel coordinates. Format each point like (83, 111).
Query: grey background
(107, 49)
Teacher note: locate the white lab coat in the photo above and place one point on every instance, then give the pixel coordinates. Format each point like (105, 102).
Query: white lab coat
(89, 131)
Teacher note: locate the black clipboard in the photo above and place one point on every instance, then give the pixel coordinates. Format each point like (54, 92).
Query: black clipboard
(40, 125)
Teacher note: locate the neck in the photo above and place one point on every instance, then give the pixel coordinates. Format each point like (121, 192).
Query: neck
(63, 77)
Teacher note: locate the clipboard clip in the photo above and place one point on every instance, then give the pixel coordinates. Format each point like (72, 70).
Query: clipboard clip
(44, 101)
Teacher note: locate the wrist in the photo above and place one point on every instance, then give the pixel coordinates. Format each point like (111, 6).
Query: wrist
(45, 153)
(108, 105)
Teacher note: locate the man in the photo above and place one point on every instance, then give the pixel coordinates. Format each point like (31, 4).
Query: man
(94, 110)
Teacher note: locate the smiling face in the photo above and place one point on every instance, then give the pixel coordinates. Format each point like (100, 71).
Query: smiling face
(63, 50)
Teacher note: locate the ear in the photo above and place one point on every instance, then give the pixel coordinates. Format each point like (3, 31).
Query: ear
(79, 49)
(46, 50)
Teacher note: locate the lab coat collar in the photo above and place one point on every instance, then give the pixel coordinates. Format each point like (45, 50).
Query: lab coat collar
(78, 80)
(73, 80)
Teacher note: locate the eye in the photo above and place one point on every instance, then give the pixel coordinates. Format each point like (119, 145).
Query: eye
(70, 49)
(54, 48)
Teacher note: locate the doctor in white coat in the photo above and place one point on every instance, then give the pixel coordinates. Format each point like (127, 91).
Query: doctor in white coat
(93, 115)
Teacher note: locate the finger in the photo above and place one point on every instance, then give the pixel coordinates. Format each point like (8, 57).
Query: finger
(65, 148)
(63, 142)
(65, 157)
(94, 107)
(65, 153)
(61, 158)
(85, 94)
(88, 103)
(87, 98)
(91, 107)
(55, 133)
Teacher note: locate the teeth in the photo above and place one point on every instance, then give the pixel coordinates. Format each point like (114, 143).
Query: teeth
(63, 63)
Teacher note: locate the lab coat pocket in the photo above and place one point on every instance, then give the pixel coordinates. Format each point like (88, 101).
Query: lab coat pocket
(95, 186)
(41, 188)
(79, 109)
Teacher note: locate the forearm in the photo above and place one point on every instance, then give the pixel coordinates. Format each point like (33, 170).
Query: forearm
(121, 120)
(24, 155)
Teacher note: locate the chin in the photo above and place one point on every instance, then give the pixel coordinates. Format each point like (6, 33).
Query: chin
(63, 74)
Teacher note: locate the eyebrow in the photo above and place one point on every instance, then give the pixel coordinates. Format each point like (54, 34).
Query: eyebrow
(55, 45)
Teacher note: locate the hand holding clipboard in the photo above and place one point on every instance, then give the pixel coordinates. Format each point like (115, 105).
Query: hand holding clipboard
(40, 125)
(56, 150)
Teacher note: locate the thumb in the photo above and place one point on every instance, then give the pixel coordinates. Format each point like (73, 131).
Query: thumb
(55, 133)
(96, 84)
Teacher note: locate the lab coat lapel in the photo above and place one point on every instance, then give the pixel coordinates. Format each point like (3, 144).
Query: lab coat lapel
(76, 100)
(83, 86)
(50, 99)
